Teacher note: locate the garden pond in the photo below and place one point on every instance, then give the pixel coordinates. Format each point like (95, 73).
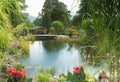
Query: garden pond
(62, 56)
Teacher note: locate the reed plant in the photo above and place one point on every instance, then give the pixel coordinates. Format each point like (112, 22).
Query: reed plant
(4, 41)
(102, 29)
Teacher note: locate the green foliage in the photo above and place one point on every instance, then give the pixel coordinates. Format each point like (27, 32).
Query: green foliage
(50, 70)
(12, 9)
(72, 31)
(24, 45)
(37, 22)
(53, 46)
(19, 66)
(78, 76)
(61, 79)
(54, 10)
(52, 30)
(30, 37)
(13, 50)
(102, 29)
(43, 77)
(4, 20)
(4, 40)
(83, 12)
(89, 78)
(74, 78)
(21, 30)
(57, 26)
(3, 76)
(28, 79)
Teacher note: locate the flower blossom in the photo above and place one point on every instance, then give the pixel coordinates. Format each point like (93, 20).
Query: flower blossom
(76, 70)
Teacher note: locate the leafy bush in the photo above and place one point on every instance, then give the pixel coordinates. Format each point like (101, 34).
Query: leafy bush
(50, 70)
(4, 40)
(61, 79)
(43, 77)
(24, 45)
(13, 50)
(30, 37)
(57, 26)
(72, 31)
(21, 30)
(19, 66)
(52, 30)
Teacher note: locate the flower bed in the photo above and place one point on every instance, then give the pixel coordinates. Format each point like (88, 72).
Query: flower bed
(15, 75)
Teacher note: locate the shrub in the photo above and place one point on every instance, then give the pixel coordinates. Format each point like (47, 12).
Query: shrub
(43, 77)
(30, 37)
(72, 31)
(52, 30)
(21, 30)
(57, 26)
(50, 70)
(61, 79)
(24, 45)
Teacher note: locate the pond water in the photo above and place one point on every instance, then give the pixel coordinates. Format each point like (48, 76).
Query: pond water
(61, 56)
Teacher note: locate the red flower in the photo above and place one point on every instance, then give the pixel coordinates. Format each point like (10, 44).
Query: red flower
(23, 73)
(19, 74)
(10, 70)
(76, 70)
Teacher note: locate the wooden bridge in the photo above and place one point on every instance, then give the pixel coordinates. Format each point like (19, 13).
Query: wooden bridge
(44, 37)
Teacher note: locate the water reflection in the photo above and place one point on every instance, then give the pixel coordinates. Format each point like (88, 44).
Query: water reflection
(59, 55)
(52, 46)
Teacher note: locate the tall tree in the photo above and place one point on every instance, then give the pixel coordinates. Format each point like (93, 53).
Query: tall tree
(82, 12)
(53, 10)
(22, 4)
(109, 10)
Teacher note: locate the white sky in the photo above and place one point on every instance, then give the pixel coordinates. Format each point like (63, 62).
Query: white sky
(35, 6)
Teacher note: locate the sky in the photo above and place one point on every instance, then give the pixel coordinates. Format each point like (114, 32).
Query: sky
(35, 6)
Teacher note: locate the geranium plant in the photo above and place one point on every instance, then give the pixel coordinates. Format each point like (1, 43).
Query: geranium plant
(16, 75)
(77, 76)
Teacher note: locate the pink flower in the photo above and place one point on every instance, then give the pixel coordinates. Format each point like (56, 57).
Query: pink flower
(76, 70)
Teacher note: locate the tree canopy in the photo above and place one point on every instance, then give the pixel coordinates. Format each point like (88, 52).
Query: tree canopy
(53, 10)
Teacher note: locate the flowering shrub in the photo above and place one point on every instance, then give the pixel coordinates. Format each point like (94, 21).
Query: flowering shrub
(77, 76)
(16, 75)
